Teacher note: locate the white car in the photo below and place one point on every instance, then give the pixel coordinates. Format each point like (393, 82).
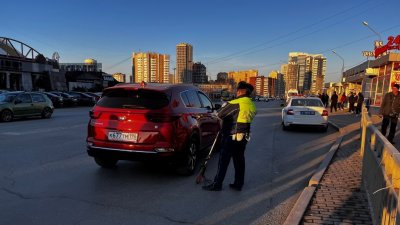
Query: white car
(261, 98)
(304, 111)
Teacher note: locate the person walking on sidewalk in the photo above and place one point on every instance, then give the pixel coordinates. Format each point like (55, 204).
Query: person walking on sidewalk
(352, 101)
(390, 109)
(360, 101)
(237, 116)
(342, 100)
(334, 101)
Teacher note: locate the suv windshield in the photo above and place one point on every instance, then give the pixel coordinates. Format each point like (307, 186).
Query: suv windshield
(307, 102)
(7, 97)
(133, 99)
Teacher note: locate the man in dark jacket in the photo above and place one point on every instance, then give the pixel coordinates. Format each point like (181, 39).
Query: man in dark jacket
(334, 101)
(360, 101)
(352, 101)
(236, 116)
(390, 109)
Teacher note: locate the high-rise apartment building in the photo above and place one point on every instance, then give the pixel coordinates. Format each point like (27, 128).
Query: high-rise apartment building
(305, 72)
(244, 75)
(199, 73)
(151, 67)
(184, 63)
(120, 77)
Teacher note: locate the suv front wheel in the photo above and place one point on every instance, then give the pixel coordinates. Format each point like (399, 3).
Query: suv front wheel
(189, 159)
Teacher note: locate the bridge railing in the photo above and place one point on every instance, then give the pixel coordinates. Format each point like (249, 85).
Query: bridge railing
(381, 173)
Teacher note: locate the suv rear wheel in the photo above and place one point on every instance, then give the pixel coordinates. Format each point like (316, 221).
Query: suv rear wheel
(105, 163)
(189, 159)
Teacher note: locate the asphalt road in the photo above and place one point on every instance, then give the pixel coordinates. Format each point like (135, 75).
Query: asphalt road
(46, 177)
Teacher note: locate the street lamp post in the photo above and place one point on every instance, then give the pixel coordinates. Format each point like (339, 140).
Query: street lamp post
(334, 52)
(369, 27)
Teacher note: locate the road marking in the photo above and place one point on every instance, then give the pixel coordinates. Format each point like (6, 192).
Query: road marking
(42, 130)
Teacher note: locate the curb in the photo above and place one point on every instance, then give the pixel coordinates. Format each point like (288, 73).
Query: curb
(300, 207)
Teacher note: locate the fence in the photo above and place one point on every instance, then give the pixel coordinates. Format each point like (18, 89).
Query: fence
(381, 173)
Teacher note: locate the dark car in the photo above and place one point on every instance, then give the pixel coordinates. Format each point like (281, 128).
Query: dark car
(24, 104)
(152, 122)
(69, 100)
(83, 99)
(97, 97)
(58, 101)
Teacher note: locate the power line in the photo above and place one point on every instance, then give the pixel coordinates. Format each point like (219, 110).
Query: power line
(296, 38)
(284, 35)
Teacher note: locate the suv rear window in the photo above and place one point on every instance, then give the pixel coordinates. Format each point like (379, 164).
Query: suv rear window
(133, 99)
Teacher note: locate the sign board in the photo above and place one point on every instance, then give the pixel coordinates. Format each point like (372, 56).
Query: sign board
(378, 99)
(368, 53)
(392, 44)
(396, 77)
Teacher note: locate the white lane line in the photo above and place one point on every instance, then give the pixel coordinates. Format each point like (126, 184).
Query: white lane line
(42, 130)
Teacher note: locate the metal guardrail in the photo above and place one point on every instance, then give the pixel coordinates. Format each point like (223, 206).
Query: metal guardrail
(380, 173)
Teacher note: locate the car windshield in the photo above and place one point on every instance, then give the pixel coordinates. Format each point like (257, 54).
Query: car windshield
(7, 97)
(133, 99)
(307, 102)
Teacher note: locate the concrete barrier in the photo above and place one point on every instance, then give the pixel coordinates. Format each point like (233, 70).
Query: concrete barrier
(381, 173)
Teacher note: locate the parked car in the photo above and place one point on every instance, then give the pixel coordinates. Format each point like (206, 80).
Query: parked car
(262, 99)
(83, 98)
(96, 96)
(58, 101)
(69, 100)
(24, 104)
(304, 111)
(152, 122)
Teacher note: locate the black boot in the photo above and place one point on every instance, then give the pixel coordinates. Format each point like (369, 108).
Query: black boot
(235, 187)
(212, 187)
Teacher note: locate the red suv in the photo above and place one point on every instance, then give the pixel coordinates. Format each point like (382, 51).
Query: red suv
(152, 122)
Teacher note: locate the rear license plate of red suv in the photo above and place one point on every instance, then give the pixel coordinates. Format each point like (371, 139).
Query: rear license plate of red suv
(122, 136)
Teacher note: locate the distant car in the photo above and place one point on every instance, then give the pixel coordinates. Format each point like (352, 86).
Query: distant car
(24, 104)
(83, 98)
(69, 100)
(262, 99)
(152, 122)
(58, 101)
(96, 96)
(301, 111)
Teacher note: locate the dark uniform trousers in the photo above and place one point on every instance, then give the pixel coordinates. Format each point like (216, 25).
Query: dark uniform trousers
(393, 123)
(235, 150)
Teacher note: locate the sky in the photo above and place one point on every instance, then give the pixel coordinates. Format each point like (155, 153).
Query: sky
(226, 35)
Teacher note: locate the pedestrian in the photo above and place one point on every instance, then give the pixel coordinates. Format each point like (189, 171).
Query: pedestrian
(344, 100)
(326, 100)
(360, 101)
(352, 101)
(340, 103)
(236, 116)
(334, 101)
(323, 99)
(390, 109)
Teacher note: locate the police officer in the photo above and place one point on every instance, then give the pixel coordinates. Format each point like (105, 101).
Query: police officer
(236, 116)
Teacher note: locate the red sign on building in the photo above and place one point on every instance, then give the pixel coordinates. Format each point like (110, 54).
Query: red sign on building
(392, 44)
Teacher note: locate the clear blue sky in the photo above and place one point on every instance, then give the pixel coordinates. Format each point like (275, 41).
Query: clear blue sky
(110, 31)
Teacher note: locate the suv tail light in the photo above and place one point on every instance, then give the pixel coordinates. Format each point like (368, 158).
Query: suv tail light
(161, 118)
(325, 113)
(290, 112)
(94, 114)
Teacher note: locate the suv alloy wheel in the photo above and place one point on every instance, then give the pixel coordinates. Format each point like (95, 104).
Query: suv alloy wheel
(189, 160)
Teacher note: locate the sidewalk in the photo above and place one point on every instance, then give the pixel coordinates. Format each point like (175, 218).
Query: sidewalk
(340, 198)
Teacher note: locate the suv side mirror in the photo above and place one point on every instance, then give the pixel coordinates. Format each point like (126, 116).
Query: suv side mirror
(217, 106)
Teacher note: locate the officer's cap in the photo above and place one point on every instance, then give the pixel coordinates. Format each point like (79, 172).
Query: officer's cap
(244, 85)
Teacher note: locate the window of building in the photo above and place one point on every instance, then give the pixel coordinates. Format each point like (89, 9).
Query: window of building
(396, 66)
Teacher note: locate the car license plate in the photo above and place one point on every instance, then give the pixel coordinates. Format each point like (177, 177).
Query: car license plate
(307, 113)
(121, 136)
